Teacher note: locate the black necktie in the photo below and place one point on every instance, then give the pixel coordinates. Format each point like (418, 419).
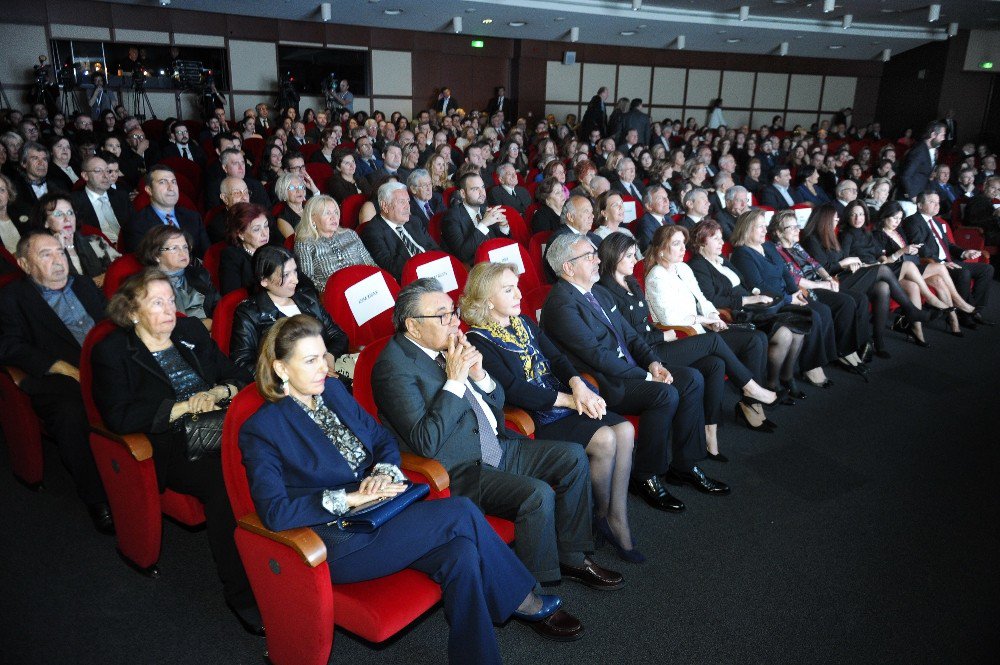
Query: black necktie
(600, 312)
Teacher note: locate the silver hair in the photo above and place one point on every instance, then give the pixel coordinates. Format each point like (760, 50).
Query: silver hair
(408, 300)
(693, 193)
(647, 198)
(385, 192)
(621, 164)
(415, 175)
(560, 250)
(735, 191)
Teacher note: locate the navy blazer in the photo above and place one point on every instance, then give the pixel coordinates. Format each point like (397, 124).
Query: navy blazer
(589, 341)
(917, 169)
(417, 208)
(769, 272)
(770, 196)
(146, 219)
(647, 227)
(290, 461)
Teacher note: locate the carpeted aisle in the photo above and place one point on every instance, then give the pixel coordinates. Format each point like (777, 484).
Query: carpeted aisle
(864, 530)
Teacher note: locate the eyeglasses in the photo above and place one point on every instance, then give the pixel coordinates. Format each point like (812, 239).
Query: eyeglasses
(790, 227)
(590, 256)
(59, 214)
(175, 249)
(446, 319)
(296, 188)
(137, 137)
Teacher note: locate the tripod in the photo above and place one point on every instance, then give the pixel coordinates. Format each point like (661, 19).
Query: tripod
(140, 102)
(70, 103)
(3, 97)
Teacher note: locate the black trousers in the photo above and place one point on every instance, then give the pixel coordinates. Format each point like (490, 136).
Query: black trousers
(852, 326)
(977, 293)
(669, 413)
(819, 347)
(57, 401)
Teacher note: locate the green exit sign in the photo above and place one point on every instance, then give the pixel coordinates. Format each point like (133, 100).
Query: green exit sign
(478, 43)
(986, 65)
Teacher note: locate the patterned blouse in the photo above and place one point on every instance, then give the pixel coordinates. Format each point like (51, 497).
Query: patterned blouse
(800, 264)
(321, 257)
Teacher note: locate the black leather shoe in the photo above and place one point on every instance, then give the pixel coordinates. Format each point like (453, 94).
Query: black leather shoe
(100, 515)
(656, 495)
(560, 626)
(550, 605)
(978, 319)
(967, 321)
(592, 575)
(249, 618)
(697, 479)
(793, 389)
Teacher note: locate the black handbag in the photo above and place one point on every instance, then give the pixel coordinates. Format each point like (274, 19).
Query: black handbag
(203, 432)
(368, 517)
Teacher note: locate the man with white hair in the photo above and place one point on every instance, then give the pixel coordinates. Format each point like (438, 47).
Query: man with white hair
(234, 165)
(508, 192)
(393, 236)
(424, 201)
(737, 202)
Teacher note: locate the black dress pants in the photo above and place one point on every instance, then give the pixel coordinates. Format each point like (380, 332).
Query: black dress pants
(852, 326)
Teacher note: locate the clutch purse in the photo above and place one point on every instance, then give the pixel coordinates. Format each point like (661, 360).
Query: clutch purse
(203, 432)
(368, 517)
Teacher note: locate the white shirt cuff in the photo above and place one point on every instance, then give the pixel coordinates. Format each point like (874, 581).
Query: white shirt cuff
(335, 501)
(456, 388)
(649, 376)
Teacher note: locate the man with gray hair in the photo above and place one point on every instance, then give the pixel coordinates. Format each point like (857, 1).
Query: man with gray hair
(393, 236)
(696, 207)
(585, 323)
(847, 191)
(508, 192)
(424, 201)
(434, 395)
(577, 219)
(234, 165)
(657, 205)
(737, 202)
(717, 199)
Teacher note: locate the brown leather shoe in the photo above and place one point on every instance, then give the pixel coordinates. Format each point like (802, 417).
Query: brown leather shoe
(560, 626)
(593, 576)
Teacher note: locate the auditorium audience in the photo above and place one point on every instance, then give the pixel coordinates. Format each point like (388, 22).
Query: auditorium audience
(88, 255)
(247, 230)
(322, 246)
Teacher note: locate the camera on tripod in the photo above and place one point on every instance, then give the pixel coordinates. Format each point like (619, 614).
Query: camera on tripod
(66, 78)
(138, 78)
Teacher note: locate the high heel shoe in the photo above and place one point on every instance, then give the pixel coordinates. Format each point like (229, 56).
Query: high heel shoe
(741, 416)
(758, 408)
(793, 389)
(631, 555)
(860, 370)
(717, 457)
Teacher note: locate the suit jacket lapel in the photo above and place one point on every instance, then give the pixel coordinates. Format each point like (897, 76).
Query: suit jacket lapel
(144, 358)
(54, 322)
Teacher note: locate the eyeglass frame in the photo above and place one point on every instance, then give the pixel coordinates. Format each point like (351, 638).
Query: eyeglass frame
(452, 315)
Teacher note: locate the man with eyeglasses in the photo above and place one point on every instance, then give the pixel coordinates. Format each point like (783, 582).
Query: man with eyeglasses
(99, 205)
(139, 155)
(847, 191)
(234, 166)
(434, 395)
(586, 324)
(181, 146)
(44, 319)
(161, 185)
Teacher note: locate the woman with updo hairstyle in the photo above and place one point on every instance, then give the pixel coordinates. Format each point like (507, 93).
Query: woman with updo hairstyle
(169, 249)
(551, 197)
(610, 214)
(305, 452)
(153, 370)
(247, 229)
(537, 377)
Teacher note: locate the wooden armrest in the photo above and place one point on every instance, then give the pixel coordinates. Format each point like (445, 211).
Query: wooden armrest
(589, 378)
(522, 421)
(431, 469)
(924, 260)
(138, 445)
(303, 540)
(17, 374)
(688, 331)
(726, 314)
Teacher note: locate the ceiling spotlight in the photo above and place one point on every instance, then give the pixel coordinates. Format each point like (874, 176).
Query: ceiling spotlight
(733, 40)
(828, 6)
(636, 5)
(681, 42)
(952, 29)
(392, 12)
(848, 19)
(886, 54)
(574, 34)
(627, 33)
(933, 13)
(517, 24)
(326, 12)
(456, 25)
(783, 48)
(744, 12)
(487, 21)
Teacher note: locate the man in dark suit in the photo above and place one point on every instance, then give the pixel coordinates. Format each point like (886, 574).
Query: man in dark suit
(44, 319)
(923, 228)
(97, 204)
(657, 205)
(393, 236)
(262, 125)
(592, 333)
(500, 103)
(234, 165)
(947, 193)
(445, 103)
(920, 161)
(470, 223)
(183, 147)
(696, 207)
(508, 192)
(161, 185)
(626, 183)
(981, 212)
(424, 201)
(368, 163)
(778, 194)
(434, 395)
(843, 194)
(30, 180)
(636, 118)
(577, 219)
(596, 116)
(950, 130)
(737, 202)
(392, 158)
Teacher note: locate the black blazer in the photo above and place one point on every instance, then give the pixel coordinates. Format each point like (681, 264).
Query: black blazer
(146, 219)
(387, 248)
(198, 279)
(92, 264)
(32, 337)
(460, 235)
(770, 196)
(519, 200)
(617, 186)
(87, 215)
(545, 219)
(917, 168)
(235, 270)
(171, 150)
(258, 194)
(340, 189)
(589, 341)
(714, 285)
(255, 316)
(727, 222)
(918, 232)
(633, 307)
(417, 210)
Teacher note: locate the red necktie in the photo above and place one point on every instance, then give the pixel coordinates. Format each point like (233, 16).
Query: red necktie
(941, 241)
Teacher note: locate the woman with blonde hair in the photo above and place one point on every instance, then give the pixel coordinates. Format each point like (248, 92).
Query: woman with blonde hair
(322, 246)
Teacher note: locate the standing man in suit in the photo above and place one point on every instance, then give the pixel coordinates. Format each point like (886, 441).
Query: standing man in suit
(44, 319)
(590, 330)
(923, 228)
(636, 118)
(394, 236)
(596, 115)
(97, 204)
(469, 224)
(920, 161)
(161, 185)
(950, 130)
(508, 192)
(445, 103)
(500, 103)
(424, 201)
(778, 194)
(657, 205)
(434, 395)
(182, 146)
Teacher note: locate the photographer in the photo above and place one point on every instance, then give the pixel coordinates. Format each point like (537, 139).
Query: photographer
(339, 99)
(100, 98)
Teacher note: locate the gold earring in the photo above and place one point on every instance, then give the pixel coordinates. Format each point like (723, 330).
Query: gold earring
(489, 305)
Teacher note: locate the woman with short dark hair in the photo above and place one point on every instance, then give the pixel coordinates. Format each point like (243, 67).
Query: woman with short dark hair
(169, 249)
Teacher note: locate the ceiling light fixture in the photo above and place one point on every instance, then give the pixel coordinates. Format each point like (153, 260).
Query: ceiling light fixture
(733, 40)
(952, 29)
(517, 24)
(834, 47)
(933, 13)
(627, 33)
(848, 19)
(325, 11)
(392, 12)
(886, 54)
(744, 12)
(636, 5)
(487, 21)
(828, 6)
(574, 34)
(456, 25)
(681, 42)
(783, 49)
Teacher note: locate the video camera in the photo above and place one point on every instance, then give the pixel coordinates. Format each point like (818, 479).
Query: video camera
(191, 75)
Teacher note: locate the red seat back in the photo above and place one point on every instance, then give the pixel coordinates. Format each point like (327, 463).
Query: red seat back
(434, 226)
(533, 300)
(458, 270)
(186, 168)
(349, 210)
(212, 259)
(120, 269)
(536, 250)
(529, 277)
(96, 334)
(244, 405)
(222, 318)
(211, 214)
(518, 227)
(337, 299)
(254, 148)
(290, 243)
(362, 387)
(320, 173)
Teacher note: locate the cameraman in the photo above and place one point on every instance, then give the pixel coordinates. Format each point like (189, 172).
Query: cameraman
(101, 99)
(339, 99)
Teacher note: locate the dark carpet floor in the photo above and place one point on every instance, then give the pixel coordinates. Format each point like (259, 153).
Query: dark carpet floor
(864, 531)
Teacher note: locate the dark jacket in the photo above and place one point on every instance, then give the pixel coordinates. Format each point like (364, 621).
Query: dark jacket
(87, 216)
(197, 278)
(386, 247)
(146, 219)
(770, 196)
(235, 269)
(255, 316)
(460, 235)
(633, 307)
(519, 200)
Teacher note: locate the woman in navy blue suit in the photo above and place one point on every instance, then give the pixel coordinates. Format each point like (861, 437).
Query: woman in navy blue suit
(313, 453)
